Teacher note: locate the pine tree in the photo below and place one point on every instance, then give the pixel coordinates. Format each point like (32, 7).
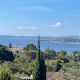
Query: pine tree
(40, 68)
(10, 45)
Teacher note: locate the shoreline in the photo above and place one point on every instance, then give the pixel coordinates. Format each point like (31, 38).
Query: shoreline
(65, 42)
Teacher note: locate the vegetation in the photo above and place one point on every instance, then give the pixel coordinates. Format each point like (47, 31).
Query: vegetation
(49, 53)
(30, 47)
(40, 68)
(5, 54)
(10, 45)
(5, 72)
(42, 64)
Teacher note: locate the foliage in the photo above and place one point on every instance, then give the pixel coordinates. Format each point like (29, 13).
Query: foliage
(30, 47)
(31, 66)
(62, 53)
(32, 61)
(10, 45)
(58, 66)
(40, 68)
(5, 54)
(5, 72)
(71, 70)
(19, 75)
(49, 53)
(24, 63)
(50, 68)
(31, 55)
(76, 55)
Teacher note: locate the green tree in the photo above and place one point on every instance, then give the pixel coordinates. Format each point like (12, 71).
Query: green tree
(2, 47)
(31, 55)
(63, 57)
(40, 68)
(30, 47)
(49, 53)
(5, 54)
(58, 66)
(10, 45)
(62, 53)
(76, 55)
(5, 72)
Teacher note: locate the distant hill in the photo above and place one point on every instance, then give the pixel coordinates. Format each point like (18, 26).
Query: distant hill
(72, 39)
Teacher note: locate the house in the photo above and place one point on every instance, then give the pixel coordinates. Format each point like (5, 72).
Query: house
(25, 78)
(16, 50)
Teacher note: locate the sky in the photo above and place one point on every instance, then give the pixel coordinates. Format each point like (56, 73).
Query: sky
(45, 17)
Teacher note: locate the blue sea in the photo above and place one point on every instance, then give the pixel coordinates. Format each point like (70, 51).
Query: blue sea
(22, 42)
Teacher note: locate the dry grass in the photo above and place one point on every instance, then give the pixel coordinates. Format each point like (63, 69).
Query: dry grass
(55, 75)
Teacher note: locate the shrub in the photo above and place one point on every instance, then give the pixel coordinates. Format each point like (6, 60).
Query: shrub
(5, 73)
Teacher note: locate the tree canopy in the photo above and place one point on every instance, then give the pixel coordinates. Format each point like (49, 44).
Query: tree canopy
(30, 47)
(5, 55)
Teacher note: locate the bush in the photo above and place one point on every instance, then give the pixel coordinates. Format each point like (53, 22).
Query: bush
(6, 55)
(50, 68)
(5, 73)
(49, 53)
(30, 47)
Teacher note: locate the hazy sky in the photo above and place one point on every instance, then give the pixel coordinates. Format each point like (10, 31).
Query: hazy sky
(47, 17)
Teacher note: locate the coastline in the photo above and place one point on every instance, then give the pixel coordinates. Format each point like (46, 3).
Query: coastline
(64, 42)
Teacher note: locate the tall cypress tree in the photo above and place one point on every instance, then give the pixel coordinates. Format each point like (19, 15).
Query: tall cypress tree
(40, 68)
(43, 69)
